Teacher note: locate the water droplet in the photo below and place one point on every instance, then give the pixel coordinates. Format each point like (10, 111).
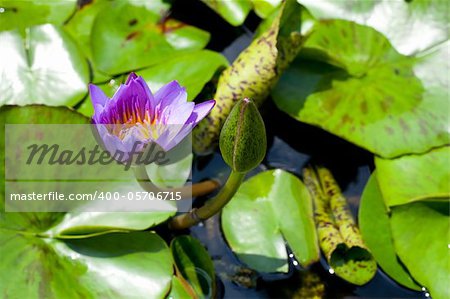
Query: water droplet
(2, 10)
(112, 81)
(424, 289)
(331, 271)
(291, 255)
(295, 263)
(427, 295)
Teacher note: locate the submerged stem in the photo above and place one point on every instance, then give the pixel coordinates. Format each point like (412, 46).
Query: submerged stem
(212, 206)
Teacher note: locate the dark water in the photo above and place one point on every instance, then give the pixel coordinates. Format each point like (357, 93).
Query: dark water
(292, 145)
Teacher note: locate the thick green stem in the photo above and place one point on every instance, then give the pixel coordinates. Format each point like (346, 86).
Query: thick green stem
(212, 206)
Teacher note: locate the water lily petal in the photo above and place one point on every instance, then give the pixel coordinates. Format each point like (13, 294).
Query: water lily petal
(180, 114)
(165, 118)
(131, 76)
(98, 97)
(201, 110)
(170, 94)
(185, 131)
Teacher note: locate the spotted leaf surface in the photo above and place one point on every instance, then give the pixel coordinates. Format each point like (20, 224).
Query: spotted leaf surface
(127, 37)
(339, 237)
(360, 94)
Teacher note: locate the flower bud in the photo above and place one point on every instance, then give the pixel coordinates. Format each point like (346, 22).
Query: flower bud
(243, 140)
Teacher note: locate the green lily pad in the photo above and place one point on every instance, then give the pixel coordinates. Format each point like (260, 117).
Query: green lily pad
(194, 264)
(415, 177)
(117, 265)
(183, 37)
(42, 67)
(21, 14)
(363, 98)
(79, 27)
(233, 11)
(36, 264)
(421, 237)
(376, 232)
(127, 37)
(411, 26)
(258, 220)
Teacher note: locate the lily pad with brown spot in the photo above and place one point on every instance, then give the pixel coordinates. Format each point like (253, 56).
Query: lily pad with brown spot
(127, 37)
(368, 93)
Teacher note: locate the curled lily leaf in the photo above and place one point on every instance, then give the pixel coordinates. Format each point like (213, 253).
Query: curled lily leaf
(339, 237)
(134, 117)
(253, 73)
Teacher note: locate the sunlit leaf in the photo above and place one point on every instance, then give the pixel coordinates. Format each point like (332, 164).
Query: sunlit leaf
(117, 265)
(127, 37)
(269, 209)
(42, 67)
(411, 26)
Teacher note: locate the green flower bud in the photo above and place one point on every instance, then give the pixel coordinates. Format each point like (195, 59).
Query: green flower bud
(243, 140)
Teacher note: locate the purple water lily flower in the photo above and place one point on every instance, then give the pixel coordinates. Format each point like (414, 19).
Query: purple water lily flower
(136, 116)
